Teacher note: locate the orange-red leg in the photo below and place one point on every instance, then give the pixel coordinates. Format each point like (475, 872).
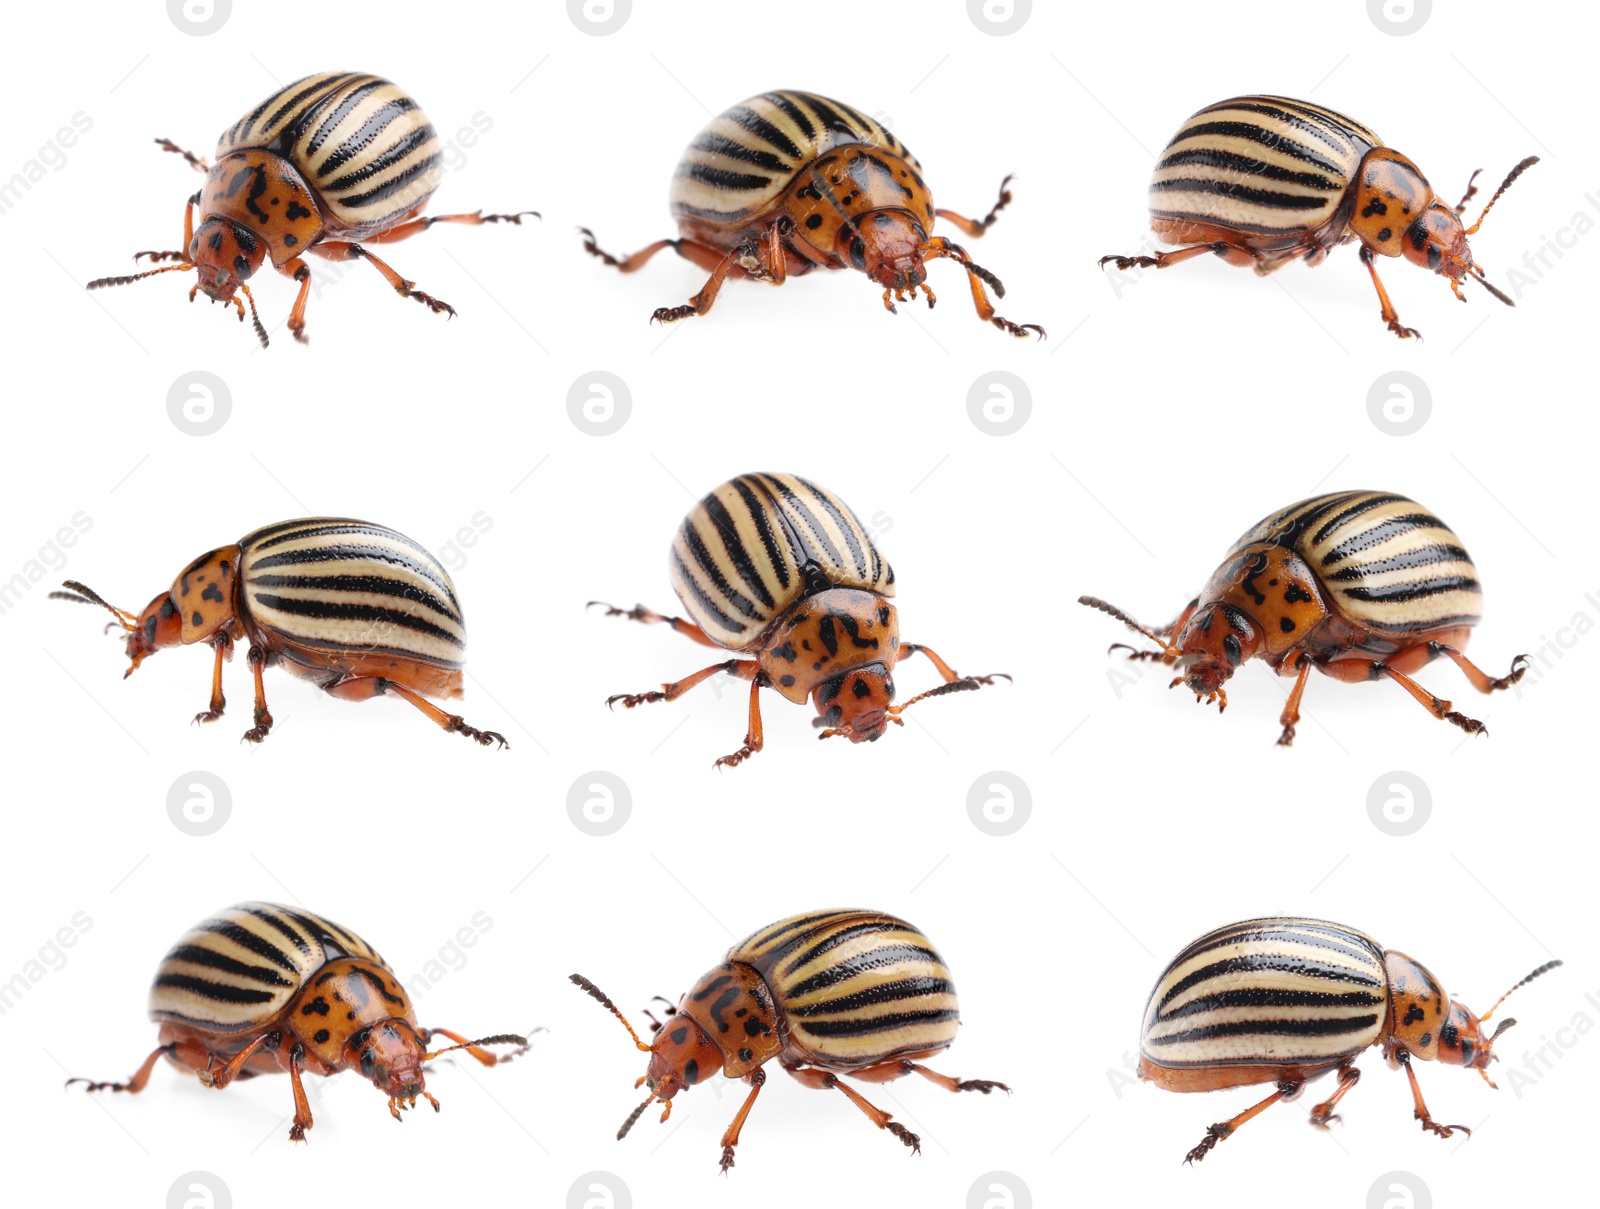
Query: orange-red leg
(946, 672)
(218, 1077)
(1224, 1130)
(364, 688)
(744, 669)
(702, 302)
(300, 272)
(1420, 1110)
(1232, 253)
(302, 1106)
(1291, 708)
(730, 1138)
(418, 225)
(976, 276)
(823, 1080)
(1480, 679)
(1390, 316)
(975, 230)
(224, 650)
(753, 741)
(1323, 1115)
(257, 659)
(887, 1072)
(142, 1076)
(406, 289)
(1436, 706)
(649, 617)
(718, 262)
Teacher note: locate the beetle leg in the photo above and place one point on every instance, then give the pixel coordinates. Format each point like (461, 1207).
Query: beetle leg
(257, 659)
(197, 162)
(1165, 260)
(745, 669)
(777, 263)
(418, 225)
(702, 302)
(140, 1077)
(628, 264)
(648, 617)
(219, 1077)
(223, 642)
(975, 230)
(302, 1106)
(1224, 1130)
(1390, 316)
(364, 688)
(752, 737)
(300, 272)
(1420, 1110)
(887, 1072)
(1323, 1115)
(1291, 707)
(824, 1080)
(945, 670)
(1436, 706)
(730, 1138)
(1480, 679)
(406, 289)
(976, 276)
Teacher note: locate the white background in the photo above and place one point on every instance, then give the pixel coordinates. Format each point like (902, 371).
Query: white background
(1167, 416)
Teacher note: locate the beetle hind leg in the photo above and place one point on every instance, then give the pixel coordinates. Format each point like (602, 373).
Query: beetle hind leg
(1437, 706)
(887, 1072)
(975, 229)
(140, 1077)
(1480, 679)
(824, 1080)
(650, 617)
(1223, 1130)
(362, 688)
(1323, 1115)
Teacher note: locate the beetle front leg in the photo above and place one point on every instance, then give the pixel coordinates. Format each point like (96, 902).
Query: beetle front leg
(1323, 1115)
(1480, 679)
(1224, 1130)
(938, 247)
(257, 659)
(650, 617)
(223, 642)
(887, 1072)
(976, 229)
(946, 672)
(1420, 1109)
(1390, 316)
(753, 741)
(300, 272)
(730, 1137)
(476, 1049)
(825, 1080)
(1291, 708)
(295, 1061)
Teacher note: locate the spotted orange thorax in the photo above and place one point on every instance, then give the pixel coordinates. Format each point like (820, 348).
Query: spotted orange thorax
(839, 648)
(868, 208)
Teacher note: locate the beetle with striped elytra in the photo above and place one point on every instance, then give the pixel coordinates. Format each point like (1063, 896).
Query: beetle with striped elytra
(1263, 180)
(261, 988)
(359, 609)
(775, 568)
(1287, 1000)
(827, 993)
(787, 182)
(1361, 585)
(325, 165)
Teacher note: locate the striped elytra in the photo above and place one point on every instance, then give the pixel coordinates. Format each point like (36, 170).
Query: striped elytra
(1288, 999)
(787, 182)
(780, 570)
(1360, 585)
(314, 168)
(357, 608)
(1263, 180)
(261, 988)
(860, 994)
(759, 543)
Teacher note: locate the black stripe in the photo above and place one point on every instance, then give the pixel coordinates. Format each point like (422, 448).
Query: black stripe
(217, 991)
(876, 1024)
(1336, 1026)
(249, 120)
(769, 540)
(831, 118)
(702, 557)
(736, 551)
(1376, 535)
(342, 553)
(1241, 936)
(721, 178)
(834, 939)
(391, 187)
(706, 603)
(1416, 590)
(1301, 967)
(360, 139)
(324, 610)
(1361, 505)
(846, 522)
(1409, 561)
(757, 125)
(887, 992)
(341, 111)
(712, 216)
(377, 585)
(1303, 120)
(795, 113)
(327, 526)
(199, 955)
(272, 917)
(1243, 193)
(873, 959)
(763, 938)
(1263, 997)
(1212, 157)
(811, 522)
(294, 102)
(713, 143)
(245, 938)
(382, 162)
(1252, 133)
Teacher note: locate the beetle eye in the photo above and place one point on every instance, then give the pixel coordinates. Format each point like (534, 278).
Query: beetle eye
(369, 1063)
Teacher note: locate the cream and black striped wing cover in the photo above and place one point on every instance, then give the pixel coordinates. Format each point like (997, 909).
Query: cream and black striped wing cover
(240, 968)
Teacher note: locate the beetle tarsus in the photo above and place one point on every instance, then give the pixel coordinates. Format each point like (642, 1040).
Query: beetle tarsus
(1020, 330)
(737, 758)
(484, 738)
(1429, 1125)
(905, 1135)
(671, 314)
(727, 1159)
(1405, 333)
(1471, 725)
(1214, 1134)
(629, 700)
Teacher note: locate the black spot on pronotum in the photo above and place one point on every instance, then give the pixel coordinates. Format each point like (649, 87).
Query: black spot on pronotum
(321, 1036)
(786, 681)
(1286, 625)
(290, 241)
(196, 619)
(150, 628)
(858, 253)
(167, 608)
(369, 1063)
(1435, 257)
(1450, 1036)
(1385, 235)
(1295, 594)
(746, 1054)
(212, 592)
(813, 222)
(753, 1028)
(1375, 206)
(1425, 1040)
(1413, 1014)
(1417, 233)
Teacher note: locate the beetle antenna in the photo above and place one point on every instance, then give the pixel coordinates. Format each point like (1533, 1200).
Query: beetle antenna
(497, 1039)
(102, 282)
(633, 1117)
(84, 595)
(1504, 185)
(1094, 602)
(605, 1002)
(965, 684)
(261, 332)
(1478, 276)
(1544, 969)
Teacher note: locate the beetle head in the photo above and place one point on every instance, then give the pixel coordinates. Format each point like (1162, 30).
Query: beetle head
(1462, 1040)
(226, 255)
(884, 244)
(390, 1054)
(856, 703)
(157, 627)
(1214, 642)
(1437, 239)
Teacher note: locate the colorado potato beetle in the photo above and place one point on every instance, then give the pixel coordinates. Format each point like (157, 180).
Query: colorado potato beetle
(259, 988)
(787, 182)
(776, 568)
(1286, 1000)
(827, 993)
(323, 165)
(1361, 585)
(357, 608)
(1263, 180)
